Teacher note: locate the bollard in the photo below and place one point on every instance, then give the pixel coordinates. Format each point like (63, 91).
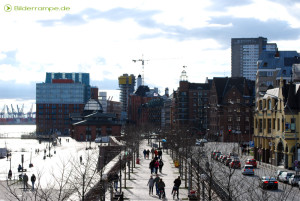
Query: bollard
(137, 161)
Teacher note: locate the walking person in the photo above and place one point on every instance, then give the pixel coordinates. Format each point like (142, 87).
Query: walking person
(25, 181)
(144, 152)
(156, 166)
(177, 183)
(161, 189)
(147, 153)
(80, 158)
(151, 166)
(116, 180)
(159, 153)
(150, 184)
(161, 164)
(156, 180)
(152, 153)
(33, 178)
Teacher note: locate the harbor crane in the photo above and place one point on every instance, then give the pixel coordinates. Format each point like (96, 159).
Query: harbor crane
(2, 113)
(8, 112)
(14, 113)
(29, 114)
(143, 63)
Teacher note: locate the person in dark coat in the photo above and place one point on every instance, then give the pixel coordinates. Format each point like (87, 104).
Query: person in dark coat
(150, 184)
(156, 180)
(161, 187)
(159, 153)
(161, 164)
(33, 178)
(177, 183)
(156, 166)
(152, 153)
(25, 181)
(151, 166)
(145, 153)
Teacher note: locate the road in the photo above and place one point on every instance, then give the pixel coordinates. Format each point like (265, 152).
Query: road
(242, 187)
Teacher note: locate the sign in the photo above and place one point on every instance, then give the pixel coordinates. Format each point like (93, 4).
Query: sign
(251, 143)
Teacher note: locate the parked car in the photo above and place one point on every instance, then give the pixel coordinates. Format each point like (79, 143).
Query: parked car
(251, 162)
(198, 143)
(224, 159)
(221, 158)
(267, 182)
(217, 156)
(294, 179)
(213, 153)
(228, 161)
(284, 177)
(248, 170)
(278, 173)
(235, 164)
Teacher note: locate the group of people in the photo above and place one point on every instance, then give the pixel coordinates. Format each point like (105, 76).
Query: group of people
(156, 164)
(160, 186)
(25, 181)
(154, 153)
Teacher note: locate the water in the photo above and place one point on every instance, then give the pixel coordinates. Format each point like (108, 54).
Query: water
(16, 130)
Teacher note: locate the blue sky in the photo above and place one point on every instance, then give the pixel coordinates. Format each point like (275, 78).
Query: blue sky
(103, 37)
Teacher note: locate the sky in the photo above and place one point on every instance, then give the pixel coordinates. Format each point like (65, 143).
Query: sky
(103, 37)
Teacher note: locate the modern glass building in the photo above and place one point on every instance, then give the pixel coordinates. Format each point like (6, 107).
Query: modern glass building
(60, 95)
(245, 53)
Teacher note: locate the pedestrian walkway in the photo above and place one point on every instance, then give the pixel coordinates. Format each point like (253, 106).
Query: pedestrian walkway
(137, 189)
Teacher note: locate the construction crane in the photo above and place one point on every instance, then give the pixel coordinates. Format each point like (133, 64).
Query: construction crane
(143, 62)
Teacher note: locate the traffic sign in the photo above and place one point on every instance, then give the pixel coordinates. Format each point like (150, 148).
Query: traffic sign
(251, 143)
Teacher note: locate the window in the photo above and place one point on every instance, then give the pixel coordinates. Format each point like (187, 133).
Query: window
(238, 118)
(238, 109)
(293, 125)
(269, 125)
(238, 100)
(260, 125)
(278, 124)
(270, 104)
(246, 118)
(229, 118)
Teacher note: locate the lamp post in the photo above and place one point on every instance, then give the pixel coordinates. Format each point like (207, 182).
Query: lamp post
(190, 175)
(203, 178)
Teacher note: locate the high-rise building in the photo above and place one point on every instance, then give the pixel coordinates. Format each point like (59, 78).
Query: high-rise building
(245, 53)
(60, 95)
(126, 84)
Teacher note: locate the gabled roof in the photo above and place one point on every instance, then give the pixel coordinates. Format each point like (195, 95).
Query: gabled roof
(225, 84)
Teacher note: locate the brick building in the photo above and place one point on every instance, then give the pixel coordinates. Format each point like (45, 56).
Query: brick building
(60, 95)
(231, 109)
(93, 123)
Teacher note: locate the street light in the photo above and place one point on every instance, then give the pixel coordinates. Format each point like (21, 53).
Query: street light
(190, 175)
(203, 178)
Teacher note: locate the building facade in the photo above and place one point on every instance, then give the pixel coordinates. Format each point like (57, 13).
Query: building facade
(272, 66)
(245, 53)
(231, 109)
(276, 126)
(190, 108)
(57, 98)
(93, 123)
(126, 84)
